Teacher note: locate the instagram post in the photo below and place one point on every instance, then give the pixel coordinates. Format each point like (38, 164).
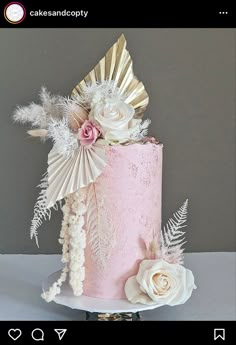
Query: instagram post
(117, 173)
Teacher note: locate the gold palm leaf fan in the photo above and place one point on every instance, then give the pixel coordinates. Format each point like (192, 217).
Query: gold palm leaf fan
(117, 66)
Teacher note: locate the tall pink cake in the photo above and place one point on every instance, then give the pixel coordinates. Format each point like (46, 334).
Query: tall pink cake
(106, 174)
(128, 194)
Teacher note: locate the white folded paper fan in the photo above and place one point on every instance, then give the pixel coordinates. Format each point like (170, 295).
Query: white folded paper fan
(117, 66)
(67, 175)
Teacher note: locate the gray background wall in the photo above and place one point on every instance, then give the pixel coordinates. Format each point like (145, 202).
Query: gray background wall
(190, 77)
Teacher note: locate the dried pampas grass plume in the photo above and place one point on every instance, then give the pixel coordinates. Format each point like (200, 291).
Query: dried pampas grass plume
(42, 133)
(39, 115)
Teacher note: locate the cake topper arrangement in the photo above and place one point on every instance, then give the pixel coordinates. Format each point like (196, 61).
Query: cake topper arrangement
(91, 130)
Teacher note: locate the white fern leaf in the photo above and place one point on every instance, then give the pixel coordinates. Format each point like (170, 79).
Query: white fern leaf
(41, 212)
(144, 127)
(140, 131)
(173, 238)
(100, 240)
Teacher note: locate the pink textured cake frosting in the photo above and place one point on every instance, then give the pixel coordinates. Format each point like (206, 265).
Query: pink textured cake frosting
(128, 202)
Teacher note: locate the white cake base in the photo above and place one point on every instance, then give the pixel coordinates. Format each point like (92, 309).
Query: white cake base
(90, 304)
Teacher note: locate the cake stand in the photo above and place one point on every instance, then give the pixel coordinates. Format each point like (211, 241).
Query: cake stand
(97, 308)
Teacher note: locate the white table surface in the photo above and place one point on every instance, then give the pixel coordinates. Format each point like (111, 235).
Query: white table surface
(21, 278)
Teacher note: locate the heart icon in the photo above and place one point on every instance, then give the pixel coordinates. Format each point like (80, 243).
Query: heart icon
(14, 333)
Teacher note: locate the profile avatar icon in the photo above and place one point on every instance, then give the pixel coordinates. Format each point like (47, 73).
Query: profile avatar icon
(14, 12)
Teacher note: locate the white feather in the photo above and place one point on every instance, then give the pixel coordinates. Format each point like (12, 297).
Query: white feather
(94, 92)
(65, 142)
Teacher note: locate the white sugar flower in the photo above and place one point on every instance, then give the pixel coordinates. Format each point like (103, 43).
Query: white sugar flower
(73, 239)
(81, 209)
(161, 283)
(78, 291)
(73, 219)
(115, 118)
(75, 206)
(74, 266)
(80, 221)
(79, 196)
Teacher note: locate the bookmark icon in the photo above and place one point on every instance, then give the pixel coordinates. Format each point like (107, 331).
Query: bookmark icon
(60, 332)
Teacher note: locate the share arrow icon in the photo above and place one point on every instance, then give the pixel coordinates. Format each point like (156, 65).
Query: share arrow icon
(60, 332)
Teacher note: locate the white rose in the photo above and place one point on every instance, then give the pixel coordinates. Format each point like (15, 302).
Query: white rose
(159, 282)
(72, 219)
(115, 118)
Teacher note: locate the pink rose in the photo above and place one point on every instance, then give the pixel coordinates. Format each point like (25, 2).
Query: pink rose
(150, 140)
(88, 133)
